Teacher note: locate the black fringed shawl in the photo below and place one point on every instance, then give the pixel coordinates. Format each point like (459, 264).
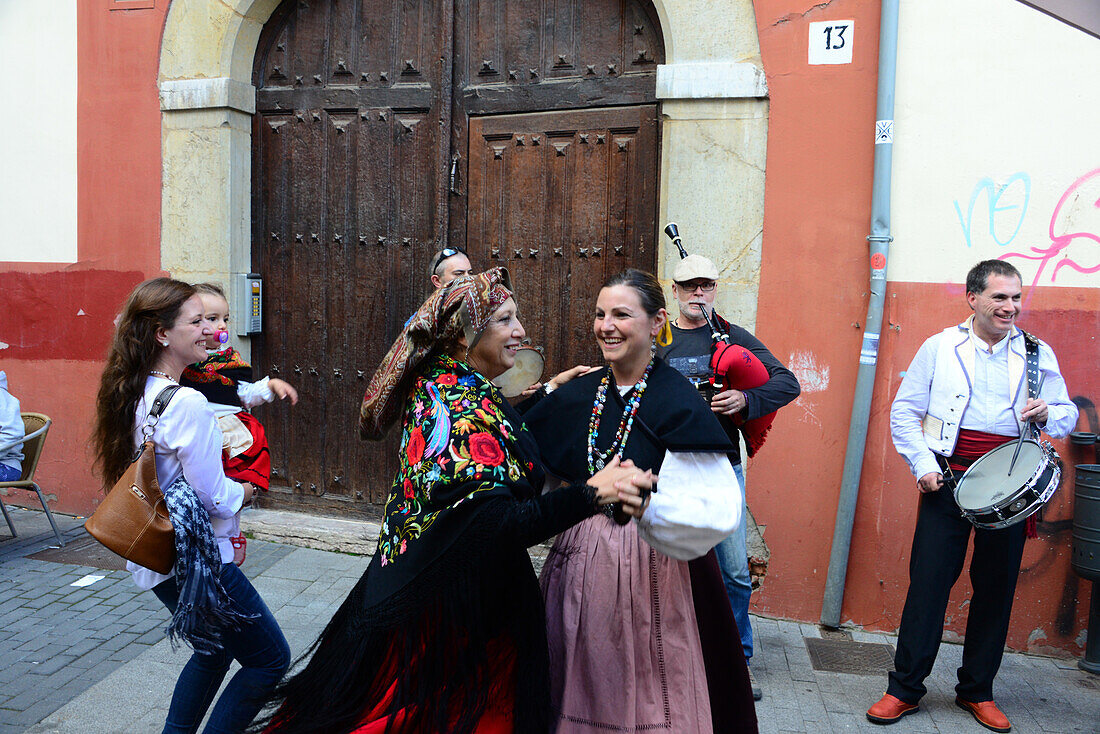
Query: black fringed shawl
(672, 416)
(451, 579)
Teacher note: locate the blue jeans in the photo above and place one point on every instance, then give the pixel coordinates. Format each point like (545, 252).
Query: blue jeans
(9, 473)
(259, 646)
(733, 559)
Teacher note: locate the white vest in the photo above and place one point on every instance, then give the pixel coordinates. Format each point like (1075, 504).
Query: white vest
(951, 385)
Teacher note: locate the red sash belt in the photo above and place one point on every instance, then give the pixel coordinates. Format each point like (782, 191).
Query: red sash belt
(973, 445)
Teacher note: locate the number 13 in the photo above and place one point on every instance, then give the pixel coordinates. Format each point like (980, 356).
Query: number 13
(829, 45)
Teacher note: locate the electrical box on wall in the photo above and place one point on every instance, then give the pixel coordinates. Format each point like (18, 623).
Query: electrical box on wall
(247, 307)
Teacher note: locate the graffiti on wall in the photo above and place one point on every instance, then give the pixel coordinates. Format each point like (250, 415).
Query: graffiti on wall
(1005, 208)
(996, 213)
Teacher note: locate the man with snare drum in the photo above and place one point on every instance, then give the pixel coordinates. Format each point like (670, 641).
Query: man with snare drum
(965, 394)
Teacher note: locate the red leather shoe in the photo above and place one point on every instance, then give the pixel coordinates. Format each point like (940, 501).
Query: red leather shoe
(889, 709)
(986, 713)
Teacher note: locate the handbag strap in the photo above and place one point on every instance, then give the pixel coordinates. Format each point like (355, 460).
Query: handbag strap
(159, 404)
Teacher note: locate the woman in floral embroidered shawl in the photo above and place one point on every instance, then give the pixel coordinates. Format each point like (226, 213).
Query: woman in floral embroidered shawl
(445, 630)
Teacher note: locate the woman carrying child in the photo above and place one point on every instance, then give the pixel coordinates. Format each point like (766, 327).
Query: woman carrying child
(215, 608)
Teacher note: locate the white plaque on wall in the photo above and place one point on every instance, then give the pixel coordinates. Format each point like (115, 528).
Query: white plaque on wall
(831, 42)
(38, 136)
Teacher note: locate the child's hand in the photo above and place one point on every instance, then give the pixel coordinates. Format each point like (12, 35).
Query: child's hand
(283, 390)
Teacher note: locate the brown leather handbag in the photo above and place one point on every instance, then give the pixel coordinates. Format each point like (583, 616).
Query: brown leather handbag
(133, 519)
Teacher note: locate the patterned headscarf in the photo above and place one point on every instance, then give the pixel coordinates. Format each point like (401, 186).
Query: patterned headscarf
(461, 308)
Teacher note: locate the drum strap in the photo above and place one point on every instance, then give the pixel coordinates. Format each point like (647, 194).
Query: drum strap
(1031, 344)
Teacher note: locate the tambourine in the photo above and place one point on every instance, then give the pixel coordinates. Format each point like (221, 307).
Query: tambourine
(523, 374)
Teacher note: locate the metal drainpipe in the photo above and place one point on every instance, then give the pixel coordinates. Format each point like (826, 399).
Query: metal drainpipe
(879, 240)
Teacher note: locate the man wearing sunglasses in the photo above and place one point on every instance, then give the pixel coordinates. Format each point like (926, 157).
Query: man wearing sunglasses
(695, 285)
(448, 264)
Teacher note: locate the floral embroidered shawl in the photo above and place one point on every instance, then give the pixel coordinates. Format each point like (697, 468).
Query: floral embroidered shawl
(458, 447)
(448, 617)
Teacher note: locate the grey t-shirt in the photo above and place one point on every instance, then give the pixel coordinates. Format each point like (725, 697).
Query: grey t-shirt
(689, 353)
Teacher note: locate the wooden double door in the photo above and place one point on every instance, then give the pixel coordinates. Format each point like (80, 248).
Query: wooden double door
(522, 132)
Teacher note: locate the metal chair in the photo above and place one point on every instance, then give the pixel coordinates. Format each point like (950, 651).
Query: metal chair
(35, 425)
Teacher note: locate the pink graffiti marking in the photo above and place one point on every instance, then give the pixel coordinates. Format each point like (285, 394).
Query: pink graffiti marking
(1059, 242)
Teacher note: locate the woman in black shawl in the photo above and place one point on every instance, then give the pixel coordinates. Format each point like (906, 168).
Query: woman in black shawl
(445, 630)
(641, 633)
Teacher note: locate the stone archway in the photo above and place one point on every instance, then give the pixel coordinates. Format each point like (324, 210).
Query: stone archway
(713, 107)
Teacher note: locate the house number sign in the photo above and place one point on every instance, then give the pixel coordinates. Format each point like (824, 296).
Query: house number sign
(831, 42)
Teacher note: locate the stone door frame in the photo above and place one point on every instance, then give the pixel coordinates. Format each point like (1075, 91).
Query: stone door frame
(713, 103)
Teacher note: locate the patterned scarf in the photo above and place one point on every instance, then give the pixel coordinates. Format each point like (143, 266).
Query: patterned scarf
(457, 443)
(204, 612)
(217, 376)
(462, 307)
(211, 368)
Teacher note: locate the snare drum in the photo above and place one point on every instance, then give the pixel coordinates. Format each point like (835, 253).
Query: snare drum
(523, 374)
(991, 498)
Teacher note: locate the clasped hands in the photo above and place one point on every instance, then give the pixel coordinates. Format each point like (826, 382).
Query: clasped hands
(621, 481)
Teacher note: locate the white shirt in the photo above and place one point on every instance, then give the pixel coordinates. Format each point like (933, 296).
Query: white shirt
(11, 426)
(189, 442)
(934, 398)
(988, 411)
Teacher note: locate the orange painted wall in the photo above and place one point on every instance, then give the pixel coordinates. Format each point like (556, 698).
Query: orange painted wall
(813, 301)
(59, 333)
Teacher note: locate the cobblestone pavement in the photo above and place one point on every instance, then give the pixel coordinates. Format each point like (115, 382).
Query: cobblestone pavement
(92, 659)
(1038, 694)
(57, 640)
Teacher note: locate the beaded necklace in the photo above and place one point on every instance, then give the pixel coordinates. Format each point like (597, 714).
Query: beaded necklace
(598, 459)
(165, 375)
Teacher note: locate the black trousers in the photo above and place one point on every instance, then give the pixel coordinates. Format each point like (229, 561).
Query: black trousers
(939, 550)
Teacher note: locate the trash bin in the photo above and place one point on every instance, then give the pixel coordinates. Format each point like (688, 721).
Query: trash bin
(1086, 553)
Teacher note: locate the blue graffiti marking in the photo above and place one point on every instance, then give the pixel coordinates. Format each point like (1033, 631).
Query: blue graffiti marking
(994, 194)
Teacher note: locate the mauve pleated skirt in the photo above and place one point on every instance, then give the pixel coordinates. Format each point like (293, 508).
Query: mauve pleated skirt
(624, 644)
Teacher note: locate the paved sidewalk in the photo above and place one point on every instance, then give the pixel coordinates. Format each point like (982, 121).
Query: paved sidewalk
(85, 660)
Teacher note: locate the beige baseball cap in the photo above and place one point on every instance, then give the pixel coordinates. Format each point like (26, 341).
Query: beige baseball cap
(694, 266)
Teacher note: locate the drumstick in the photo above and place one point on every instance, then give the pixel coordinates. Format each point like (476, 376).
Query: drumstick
(1020, 440)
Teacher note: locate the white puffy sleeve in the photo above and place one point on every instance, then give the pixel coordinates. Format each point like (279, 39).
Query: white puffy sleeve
(909, 408)
(698, 503)
(252, 394)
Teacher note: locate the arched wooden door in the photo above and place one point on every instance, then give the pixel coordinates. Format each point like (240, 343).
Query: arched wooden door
(523, 132)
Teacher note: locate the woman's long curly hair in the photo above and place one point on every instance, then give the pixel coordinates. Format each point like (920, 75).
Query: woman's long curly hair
(155, 304)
